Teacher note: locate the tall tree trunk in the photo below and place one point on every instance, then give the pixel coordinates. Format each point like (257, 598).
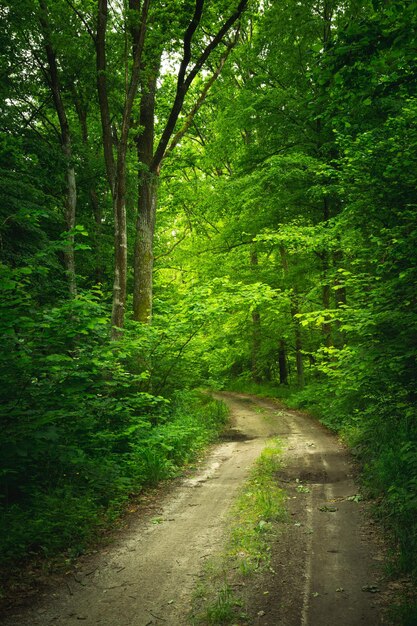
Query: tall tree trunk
(256, 330)
(98, 222)
(143, 263)
(282, 363)
(298, 341)
(147, 202)
(256, 347)
(70, 215)
(326, 326)
(296, 324)
(71, 186)
(120, 260)
(339, 296)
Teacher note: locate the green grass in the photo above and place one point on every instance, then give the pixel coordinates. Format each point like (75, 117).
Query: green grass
(254, 521)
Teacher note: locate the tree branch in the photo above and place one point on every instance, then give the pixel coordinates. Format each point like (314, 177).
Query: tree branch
(101, 67)
(190, 117)
(82, 19)
(183, 82)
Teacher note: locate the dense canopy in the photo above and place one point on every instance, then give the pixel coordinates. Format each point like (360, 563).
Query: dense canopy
(201, 195)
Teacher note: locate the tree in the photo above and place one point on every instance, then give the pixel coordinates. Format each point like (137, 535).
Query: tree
(150, 158)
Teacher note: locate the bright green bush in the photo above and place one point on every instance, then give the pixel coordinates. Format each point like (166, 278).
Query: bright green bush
(80, 429)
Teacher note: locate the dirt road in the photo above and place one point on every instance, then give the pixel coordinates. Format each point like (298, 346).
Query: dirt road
(322, 561)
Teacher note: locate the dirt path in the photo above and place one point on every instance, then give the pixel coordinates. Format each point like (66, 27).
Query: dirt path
(148, 575)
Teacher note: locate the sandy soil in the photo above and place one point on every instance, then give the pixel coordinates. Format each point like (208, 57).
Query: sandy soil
(322, 562)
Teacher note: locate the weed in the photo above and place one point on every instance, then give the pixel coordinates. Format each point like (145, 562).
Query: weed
(254, 516)
(223, 610)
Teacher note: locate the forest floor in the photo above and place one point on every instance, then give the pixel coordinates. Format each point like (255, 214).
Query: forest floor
(326, 562)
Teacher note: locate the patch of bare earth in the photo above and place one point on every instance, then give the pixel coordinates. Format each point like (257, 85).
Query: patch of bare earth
(325, 561)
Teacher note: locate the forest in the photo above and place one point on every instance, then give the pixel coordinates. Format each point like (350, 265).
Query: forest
(201, 195)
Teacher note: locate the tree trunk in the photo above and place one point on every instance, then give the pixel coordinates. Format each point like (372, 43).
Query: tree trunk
(147, 203)
(70, 214)
(143, 263)
(71, 187)
(299, 356)
(298, 342)
(256, 329)
(256, 347)
(82, 111)
(98, 252)
(326, 326)
(120, 260)
(282, 363)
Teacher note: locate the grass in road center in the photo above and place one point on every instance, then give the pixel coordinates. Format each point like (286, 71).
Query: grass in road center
(253, 522)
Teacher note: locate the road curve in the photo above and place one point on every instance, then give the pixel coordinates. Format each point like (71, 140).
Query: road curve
(147, 576)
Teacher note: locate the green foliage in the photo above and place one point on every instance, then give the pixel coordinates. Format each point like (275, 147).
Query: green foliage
(80, 430)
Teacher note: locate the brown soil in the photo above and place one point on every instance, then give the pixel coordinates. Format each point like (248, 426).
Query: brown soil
(325, 562)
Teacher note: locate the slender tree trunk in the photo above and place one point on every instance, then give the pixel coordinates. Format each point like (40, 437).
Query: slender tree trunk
(298, 342)
(143, 263)
(70, 215)
(98, 248)
(282, 363)
(147, 204)
(71, 186)
(256, 330)
(120, 260)
(296, 324)
(256, 347)
(326, 326)
(340, 298)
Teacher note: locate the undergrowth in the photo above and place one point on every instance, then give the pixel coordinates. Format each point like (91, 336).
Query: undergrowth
(253, 522)
(62, 510)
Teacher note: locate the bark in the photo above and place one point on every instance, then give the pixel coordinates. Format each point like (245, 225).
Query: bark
(98, 227)
(101, 68)
(296, 325)
(256, 347)
(65, 138)
(282, 363)
(144, 257)
(70, 216)
(116, 168)
(326, 291)
(147, 203)
(340, 298)
(256, 331)
(298, 342)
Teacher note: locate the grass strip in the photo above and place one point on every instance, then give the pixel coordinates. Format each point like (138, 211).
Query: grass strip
(254, 522)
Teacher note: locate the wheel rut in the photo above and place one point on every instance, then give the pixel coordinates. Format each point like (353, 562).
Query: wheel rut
(322, 560)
